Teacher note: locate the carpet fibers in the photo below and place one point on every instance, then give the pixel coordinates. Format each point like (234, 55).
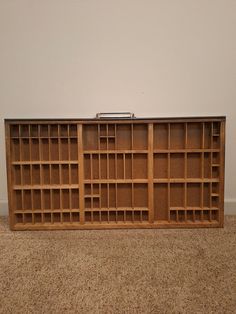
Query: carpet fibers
(118, 271)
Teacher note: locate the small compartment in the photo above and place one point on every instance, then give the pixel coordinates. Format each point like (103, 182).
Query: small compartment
(75, 198)
(18, 200)
(103, 129)
(215, 215)
(177, 136)
(123, 136)
(53, 130)
(160, 201)
(104, 216)
(206, 195)
(55, 175)
(181, 215)
(207, 165)
(44, 130)
(160, 166)
(26, 175)
(215, 201)
(140, 166)
(36, 199)
(15, 147)
(37, 218)
(112, 196)
(88, 203)
(63, 130)
(112, 168)
(197, 215)
(47, 199)
(120, 166)
(173, 216)
(206, 215)
(35, 149)
(103, 143)
(88, 216)
(215, 172)
(66, 217)
(140, 136)
(47, 218)
(104, 195)
(111, 143)
(64, 147)
(193, 194)
(128, 167)
(87, 167)
(73, 130)
(56, 199)
(15, 130)
(137, 216)
(27, 199)
(87, 189)
(216, 142)
(18, 218)
(140, 195)
(65, 174)
(45, 149)
(75, 217)
(207, 135)
(129, 216)
(144, 215)
(216, 158)
(90, 137)
(194, 165)
(103, 161)
(177, 195)
(194, 135)
(28, 218)
(17, 175)
(24, 130)
(74, 174)
(177, 165)
(215, 188)
(56, 217)
(111, 129)
(124, 195)
(25, 149)
(54, 152)
(65, 199)
(112, 216)
(73, 149)
(189, 215)
(35, 174)
(120, 216)
(160, 135)
(216, 129)
(46, 174)
(95, 166)
(34, 130)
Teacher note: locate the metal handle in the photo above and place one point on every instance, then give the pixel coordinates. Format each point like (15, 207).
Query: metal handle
(115, 115)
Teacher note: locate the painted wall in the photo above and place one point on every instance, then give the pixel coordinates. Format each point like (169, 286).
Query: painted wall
(73, 58)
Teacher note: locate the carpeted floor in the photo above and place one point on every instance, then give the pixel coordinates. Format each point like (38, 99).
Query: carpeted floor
(118, 271)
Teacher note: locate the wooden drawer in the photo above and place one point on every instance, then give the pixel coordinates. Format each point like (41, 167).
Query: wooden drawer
(134, 173)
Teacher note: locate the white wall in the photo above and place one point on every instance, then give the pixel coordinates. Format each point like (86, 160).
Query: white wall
(73, 58)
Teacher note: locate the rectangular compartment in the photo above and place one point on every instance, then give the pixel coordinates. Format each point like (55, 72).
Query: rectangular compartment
(140, 166)
(140, 195)
(18, 200)
(17, 175)
(177, 165)
(15, 148)
(160, 136)
(35, 155)
(176, 195)
(73, 130)
(207, 165)
(54, 149)
(37, 199)
(73, 149)
(65, 199)
(124, 195)
(47, 199)
(46, 174)
(194, 164)
(75, 198)
(140, 136)
(26, 175)
(90, 137)
(74, 174)
(54, 131)
(63, 130)
(123, 136)
(193, 194)
(44, 130)
(65, 174)
(25, 149)
(177, 135)
(194, 135)
(64, 149)
(160, 166)
(15, 130)
(24, 130)
(56, 204)
(45, 149)
(36, 174)
(55, 174)
(160, 201)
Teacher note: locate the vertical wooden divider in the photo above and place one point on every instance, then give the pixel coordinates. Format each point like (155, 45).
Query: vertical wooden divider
(168, 174)
(185, 168)
(31, 177)
(150, 173)
(60, 167)
(81, 171)
(211, 134)
(41, 174)
(202, 169)
(222, 173)
(69, 169)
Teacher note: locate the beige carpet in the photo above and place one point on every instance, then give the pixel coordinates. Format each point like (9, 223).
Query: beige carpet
(118, 271)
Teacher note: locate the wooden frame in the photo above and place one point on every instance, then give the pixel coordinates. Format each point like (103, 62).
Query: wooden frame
(115, 173)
